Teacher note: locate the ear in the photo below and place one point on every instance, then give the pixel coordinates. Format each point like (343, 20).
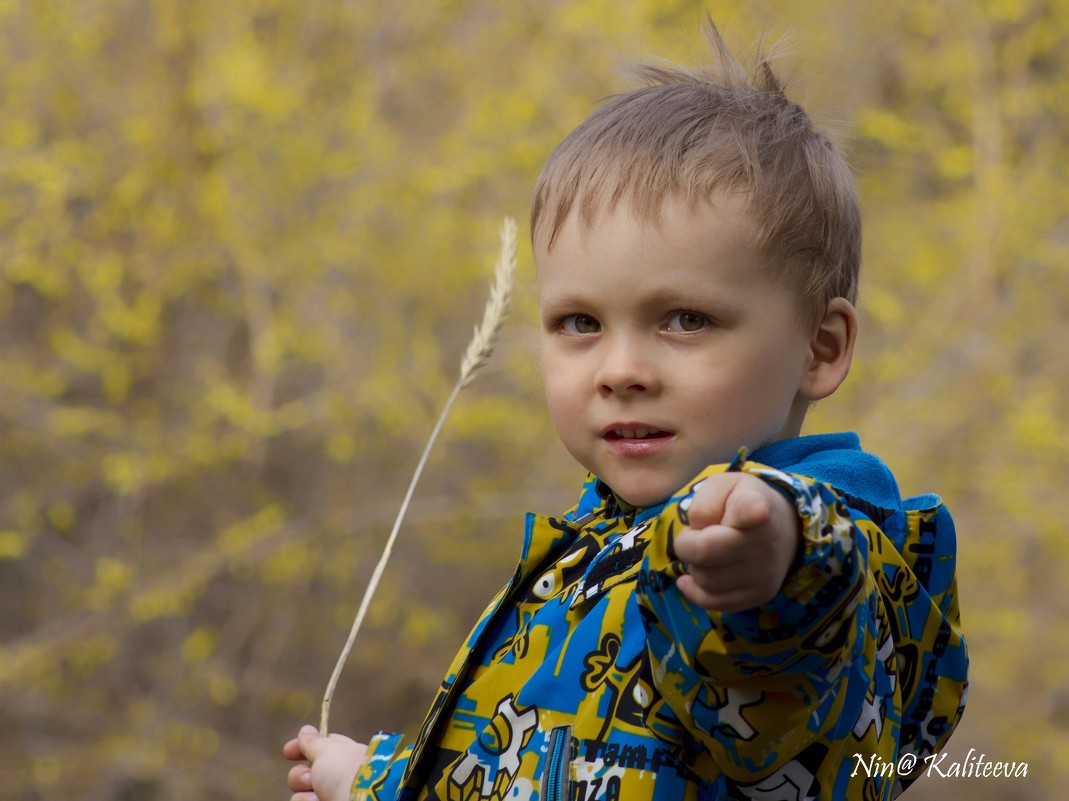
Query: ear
(831, 350)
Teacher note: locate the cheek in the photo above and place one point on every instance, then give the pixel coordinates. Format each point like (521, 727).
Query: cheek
(745, 398)
(564, 400)
(559, 400)
(551, 376)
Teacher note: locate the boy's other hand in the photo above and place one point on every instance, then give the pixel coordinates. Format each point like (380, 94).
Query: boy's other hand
(742, 540)
(333, 763)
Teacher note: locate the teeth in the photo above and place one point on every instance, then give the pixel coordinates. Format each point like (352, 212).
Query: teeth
(632, 433)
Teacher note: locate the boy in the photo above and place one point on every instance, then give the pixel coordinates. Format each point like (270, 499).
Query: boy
(702, 624)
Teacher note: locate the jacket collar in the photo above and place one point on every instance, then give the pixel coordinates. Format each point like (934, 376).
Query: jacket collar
(598, 498)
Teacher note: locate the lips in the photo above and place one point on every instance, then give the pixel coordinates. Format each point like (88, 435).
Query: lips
(630, 441)
(636, 433)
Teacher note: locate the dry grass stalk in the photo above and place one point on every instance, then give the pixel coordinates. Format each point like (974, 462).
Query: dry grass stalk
(478, 352)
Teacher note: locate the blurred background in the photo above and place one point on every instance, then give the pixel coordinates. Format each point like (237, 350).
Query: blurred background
(242, 247)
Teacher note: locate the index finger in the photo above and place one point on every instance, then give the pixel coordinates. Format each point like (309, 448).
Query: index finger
(713, 546)
(292, 750)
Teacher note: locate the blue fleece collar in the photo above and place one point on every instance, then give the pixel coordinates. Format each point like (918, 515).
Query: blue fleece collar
(838, 460)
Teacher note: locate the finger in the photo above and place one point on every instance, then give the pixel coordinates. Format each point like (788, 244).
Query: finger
(714, 546)
(740, 585)
(299, 778)
(309, 740)
(720, 580)
(736, 599)
(304, 797)
(707, 506)
(746, 508)
(292, 749)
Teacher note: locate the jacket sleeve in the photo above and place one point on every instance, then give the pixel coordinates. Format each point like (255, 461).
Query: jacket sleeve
(379, 777)
(855, 654)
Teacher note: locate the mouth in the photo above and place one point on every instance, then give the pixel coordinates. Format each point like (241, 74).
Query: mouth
(634, 432)
(634, 440)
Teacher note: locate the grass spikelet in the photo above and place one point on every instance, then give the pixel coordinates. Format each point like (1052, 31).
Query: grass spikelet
(486, 332)
(477, 353)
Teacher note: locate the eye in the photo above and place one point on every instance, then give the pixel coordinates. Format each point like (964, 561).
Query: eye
(687, 321)
(579, 324)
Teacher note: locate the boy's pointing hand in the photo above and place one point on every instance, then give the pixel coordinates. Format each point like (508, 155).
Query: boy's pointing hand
(742, 540)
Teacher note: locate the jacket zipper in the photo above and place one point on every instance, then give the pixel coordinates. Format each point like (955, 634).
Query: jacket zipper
(556, 784)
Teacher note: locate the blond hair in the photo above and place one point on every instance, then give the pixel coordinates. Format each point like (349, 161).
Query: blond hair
(689, 133)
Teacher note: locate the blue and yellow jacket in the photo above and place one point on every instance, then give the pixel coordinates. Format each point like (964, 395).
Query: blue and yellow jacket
(590, 677)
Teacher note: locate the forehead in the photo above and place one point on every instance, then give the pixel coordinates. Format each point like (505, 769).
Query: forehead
(590, 203)
(688, 251)
(717, 224)
(685, 249)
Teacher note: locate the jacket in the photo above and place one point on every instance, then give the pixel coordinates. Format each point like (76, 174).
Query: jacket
(590, 677)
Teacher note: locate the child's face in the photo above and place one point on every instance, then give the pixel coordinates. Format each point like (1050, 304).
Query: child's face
(666, 349)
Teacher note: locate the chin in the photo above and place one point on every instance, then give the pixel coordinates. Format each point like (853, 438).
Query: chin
(643, 497)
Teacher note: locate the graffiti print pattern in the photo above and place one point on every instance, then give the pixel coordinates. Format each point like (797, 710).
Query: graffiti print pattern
(591, 678)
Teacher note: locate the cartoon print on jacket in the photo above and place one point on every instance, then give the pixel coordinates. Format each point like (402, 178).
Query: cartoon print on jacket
(490, 766)
(591, 678)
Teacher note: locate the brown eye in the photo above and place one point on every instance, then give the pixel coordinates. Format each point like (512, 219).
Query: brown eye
(687, 321)
(580, 324)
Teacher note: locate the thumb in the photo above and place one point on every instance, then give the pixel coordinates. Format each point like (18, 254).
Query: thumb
(310, 741)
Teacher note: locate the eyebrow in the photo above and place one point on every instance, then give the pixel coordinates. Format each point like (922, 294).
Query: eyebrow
(557, 304)
(714, 303)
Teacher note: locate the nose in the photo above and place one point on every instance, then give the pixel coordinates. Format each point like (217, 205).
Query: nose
(626, 369)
